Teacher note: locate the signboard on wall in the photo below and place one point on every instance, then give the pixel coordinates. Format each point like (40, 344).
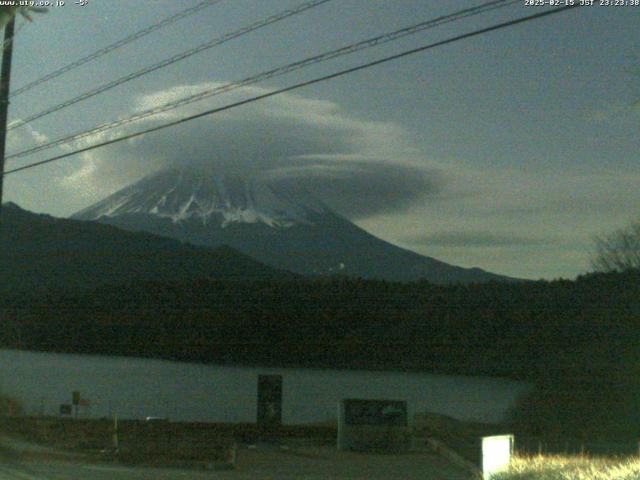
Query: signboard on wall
(373, 425)
(375, 412)
(269, 401)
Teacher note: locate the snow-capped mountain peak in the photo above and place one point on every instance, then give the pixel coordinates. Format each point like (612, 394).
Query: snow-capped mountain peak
(272, 220)
(183, 194)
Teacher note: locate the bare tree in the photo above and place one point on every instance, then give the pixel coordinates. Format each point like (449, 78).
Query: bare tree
(618, 251)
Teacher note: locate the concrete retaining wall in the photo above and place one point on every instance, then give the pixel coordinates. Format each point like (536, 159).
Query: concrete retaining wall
(138, 388)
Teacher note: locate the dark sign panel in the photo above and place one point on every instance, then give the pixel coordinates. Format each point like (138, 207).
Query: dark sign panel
(269, 401)
(375, 412)
(75, 398)
(65, 409)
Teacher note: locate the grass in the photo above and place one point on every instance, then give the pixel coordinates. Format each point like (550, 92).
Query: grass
(547, 467)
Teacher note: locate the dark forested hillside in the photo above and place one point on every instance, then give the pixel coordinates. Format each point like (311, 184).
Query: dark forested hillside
(515, 330)
(43, 253)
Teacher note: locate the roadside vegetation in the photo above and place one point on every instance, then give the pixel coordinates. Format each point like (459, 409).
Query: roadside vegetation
(560, 467)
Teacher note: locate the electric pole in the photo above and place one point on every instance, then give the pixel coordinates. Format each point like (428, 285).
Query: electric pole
(5, 79)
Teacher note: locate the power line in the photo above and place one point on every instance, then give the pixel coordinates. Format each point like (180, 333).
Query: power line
(174, 59)
(120, 43)
(276, 72)
(298, 86)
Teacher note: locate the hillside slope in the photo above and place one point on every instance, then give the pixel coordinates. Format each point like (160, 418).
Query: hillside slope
(40, 252)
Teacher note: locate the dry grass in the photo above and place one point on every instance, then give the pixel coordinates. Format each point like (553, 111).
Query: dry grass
(547, 467)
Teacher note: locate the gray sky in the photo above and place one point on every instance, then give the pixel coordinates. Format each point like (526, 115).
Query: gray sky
(508, 151)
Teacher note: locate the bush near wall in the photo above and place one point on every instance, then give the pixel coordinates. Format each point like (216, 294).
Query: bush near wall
(153, 442)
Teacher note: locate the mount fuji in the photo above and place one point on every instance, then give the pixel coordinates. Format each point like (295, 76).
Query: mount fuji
(273, 221)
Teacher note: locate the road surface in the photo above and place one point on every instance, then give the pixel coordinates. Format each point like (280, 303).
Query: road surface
(252, 465)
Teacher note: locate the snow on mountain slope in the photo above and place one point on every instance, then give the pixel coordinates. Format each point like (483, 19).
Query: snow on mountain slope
(181, 194)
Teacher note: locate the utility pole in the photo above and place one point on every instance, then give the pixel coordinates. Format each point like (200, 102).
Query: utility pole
(5, 79)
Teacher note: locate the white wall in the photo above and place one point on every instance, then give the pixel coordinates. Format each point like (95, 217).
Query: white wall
(135, 388)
